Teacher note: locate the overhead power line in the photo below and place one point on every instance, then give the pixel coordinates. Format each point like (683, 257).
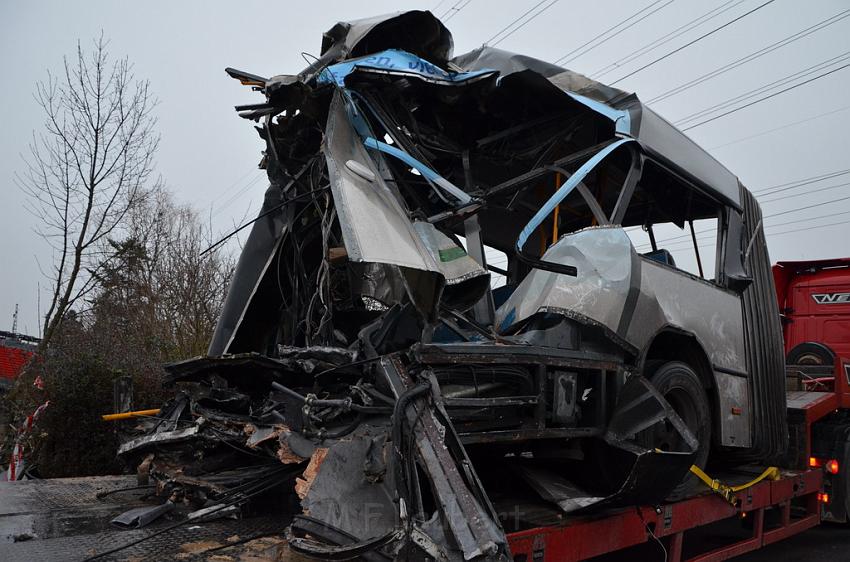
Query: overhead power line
(450, 8)
(232, 199)
(521, 25)
(664, 39)
(780, 233)
(767, 234)
(616, 29)
(454, 10)
(780, 128)
(808, 228)
(810, 220)
(515, 20)
(818, 190)
(689, 43)
(771, 215)
(751, 57)
(749, 94)
(799, 183)
(437, 5)
(773, 95)
(807, 207)
(233, 184)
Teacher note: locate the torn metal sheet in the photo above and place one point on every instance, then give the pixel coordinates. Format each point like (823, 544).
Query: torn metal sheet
(161, 438)
(213, 512)
(304, 525)
(391, 240)
(343, 492)
(258, 435)
(456, 487)
(142, 516)
(558, 490)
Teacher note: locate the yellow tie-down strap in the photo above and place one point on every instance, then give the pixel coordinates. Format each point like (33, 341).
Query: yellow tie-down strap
(728, 492)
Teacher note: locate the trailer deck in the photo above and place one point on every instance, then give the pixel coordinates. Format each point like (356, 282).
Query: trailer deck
(66, 520)
(790, 504)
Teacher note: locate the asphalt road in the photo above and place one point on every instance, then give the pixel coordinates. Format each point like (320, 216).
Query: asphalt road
(828, 542)
(825, 543)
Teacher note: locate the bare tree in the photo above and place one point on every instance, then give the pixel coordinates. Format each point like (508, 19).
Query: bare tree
(191, 286)
(157, 293)
(88, 167)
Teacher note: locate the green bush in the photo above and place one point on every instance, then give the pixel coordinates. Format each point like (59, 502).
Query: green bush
(69, 438)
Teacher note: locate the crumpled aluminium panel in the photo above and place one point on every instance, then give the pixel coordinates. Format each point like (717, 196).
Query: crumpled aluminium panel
(359, 202)
(603, 256)
(431, 258)
(607, 264)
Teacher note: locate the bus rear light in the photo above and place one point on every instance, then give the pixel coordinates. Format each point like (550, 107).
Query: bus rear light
(831, 466)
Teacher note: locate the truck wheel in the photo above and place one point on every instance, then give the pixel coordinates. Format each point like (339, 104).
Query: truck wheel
(682, 388)
(810, 353)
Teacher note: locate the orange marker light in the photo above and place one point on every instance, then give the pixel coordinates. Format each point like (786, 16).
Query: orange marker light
(832, 466)
(823, 497)
(815, 463)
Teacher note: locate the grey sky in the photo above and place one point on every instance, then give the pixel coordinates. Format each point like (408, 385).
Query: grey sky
(208, 155)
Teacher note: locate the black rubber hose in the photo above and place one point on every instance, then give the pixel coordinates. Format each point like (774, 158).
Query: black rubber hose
(398, 433)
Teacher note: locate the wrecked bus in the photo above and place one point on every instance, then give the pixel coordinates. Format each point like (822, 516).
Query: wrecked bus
(409, 397)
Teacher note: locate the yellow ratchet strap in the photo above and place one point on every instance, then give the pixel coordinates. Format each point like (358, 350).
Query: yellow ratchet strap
(728, 492)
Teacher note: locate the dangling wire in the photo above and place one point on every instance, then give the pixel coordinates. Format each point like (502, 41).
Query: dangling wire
(322, 290)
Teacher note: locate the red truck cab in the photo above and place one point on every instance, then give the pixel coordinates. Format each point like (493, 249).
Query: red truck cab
(814, 301)
(15, 351)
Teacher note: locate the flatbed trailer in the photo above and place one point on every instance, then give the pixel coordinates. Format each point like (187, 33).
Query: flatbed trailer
(813, 488)
(793, 500)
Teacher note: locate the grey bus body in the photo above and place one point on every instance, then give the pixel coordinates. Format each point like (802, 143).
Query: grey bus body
(363, 325)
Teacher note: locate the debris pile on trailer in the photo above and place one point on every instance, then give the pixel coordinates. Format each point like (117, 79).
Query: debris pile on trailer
(403, 394)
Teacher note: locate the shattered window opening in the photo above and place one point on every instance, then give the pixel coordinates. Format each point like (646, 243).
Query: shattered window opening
(671, 207)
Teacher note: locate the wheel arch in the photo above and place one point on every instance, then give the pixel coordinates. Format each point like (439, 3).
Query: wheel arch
(672, 344)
